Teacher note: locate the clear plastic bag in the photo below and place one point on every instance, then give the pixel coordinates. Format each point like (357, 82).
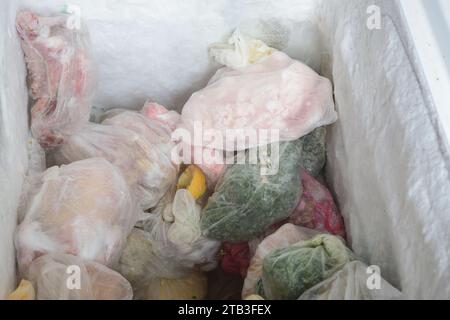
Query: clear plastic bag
(351, 283)
(67, 277)
(290, 271)
(159, 249)
(84, 209)
(246, 202)
(277, 93)
(128, 140)
(60, 75)
(316, 209)
(285, 236)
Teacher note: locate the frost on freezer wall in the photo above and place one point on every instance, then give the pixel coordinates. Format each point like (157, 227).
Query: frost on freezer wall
(13, 140)
(159, 49)
(387, 158)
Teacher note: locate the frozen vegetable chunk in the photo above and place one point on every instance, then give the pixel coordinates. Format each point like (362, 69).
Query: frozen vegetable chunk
(247, 202)
(289, 272)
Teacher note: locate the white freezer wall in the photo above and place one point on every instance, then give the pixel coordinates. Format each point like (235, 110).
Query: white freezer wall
(13, 140)
(388, 160)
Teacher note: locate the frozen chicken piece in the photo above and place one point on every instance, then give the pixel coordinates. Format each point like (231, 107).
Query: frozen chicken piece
(130, 142)
(277, 93)
(84, 208)
(67, 277)
(60, 75)
(240, 51)
(25, 291)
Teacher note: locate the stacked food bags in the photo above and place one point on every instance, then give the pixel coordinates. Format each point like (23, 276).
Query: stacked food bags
(127, 208)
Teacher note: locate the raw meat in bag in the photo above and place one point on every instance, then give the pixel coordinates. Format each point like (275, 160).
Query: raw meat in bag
(247, 202)
(351, 283)
(277, 93)
(235, 258)
(290, 271)
(285, 236)
(129, 142)
(60, 76)
(84, 208)
(316, 209)
(67, 277)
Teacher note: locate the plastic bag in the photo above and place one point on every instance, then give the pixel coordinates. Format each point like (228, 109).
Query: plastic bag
(246, 202)
(140, 261)
(60, 76)
(314, 151)
(84, 209)
(316, 209)
(277, 93)
(168, 250)
(288, 234)
(240, 51)
(351, 283)
(129, 141)
(191, 287)
(67, 277)
(288, 272)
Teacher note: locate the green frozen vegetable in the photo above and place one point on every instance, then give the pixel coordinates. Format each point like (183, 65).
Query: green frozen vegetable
(314, 151)
(289, 272)
(247, 202)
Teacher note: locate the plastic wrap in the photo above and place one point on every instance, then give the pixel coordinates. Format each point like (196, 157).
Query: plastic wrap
(316, 209)
(351, 283)
(290, 271)
(235, 258)
(129, 142)
(285, 236)
(60, 75)
(240, 51)
(168, 250)
(247, 202)
(67, 277)
(277, 93)
(84, 209)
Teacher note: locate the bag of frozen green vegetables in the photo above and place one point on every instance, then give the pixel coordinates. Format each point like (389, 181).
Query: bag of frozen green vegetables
(247, 202)
(289, 272)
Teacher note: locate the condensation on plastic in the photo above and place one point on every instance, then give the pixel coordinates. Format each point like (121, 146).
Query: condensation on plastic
(60, 74)
(84, 208)
(67, 277)
(352, 283)
(277, 93)
(285, 236)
